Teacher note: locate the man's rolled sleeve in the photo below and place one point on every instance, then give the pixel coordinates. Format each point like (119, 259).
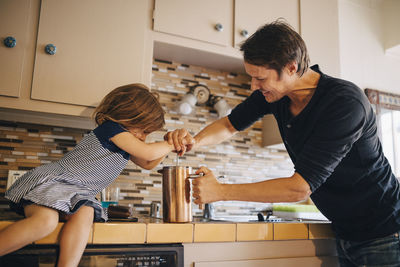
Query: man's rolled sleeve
(249, 111)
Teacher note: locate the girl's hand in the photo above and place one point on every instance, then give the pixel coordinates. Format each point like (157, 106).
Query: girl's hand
(181, 139)
(206, 189)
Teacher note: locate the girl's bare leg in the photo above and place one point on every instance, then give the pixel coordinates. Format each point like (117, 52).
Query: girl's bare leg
(74, 236)
(40, 221)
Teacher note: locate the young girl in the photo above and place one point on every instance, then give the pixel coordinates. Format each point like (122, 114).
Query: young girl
(68, 187)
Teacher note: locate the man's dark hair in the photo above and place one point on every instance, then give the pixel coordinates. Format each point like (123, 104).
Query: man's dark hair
(274, 45)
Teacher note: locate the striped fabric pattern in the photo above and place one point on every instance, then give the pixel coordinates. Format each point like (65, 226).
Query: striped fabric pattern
(74, 180)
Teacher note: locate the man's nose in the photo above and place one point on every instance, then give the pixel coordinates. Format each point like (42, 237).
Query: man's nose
(254, 85)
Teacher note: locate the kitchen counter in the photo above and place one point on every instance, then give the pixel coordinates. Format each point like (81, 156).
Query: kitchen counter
(155, 231)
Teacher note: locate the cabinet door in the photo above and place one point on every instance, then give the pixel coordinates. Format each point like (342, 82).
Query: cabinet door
(250, 15)
(270, 131)
(284, 262)
(100, 46)
(14, 22)
(195, 19)
(320, 31)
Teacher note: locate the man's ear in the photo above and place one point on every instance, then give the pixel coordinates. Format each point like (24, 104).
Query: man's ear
(292, 67)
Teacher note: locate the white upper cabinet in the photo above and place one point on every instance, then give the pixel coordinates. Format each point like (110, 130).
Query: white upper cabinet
(13, 36)
(102, 44)
(250, 15)
(99, 45)
(222, 22)
(206, 20)
(320, 31)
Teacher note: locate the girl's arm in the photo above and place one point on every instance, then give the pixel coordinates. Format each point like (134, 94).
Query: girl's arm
(146, 164)
(140, 150)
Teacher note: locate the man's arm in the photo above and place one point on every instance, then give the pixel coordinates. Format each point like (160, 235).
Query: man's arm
(288, 189)
(207, 189)
(215, 133)
(212, 134)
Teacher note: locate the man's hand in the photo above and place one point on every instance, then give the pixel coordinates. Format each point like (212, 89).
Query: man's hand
(181, 139)
(206, 189)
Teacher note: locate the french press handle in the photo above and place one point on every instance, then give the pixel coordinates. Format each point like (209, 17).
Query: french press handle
(194, 176)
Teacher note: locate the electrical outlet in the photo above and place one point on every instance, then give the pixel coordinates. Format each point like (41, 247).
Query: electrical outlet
(13, 176)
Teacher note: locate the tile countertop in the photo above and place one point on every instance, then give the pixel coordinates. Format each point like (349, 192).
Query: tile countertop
(155, 231)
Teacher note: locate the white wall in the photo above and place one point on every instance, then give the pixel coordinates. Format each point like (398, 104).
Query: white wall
(391, 20)
(362, 53)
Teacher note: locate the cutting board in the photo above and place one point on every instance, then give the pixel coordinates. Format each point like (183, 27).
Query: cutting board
(297, 211)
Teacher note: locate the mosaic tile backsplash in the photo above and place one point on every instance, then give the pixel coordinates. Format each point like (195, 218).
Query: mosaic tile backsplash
(239, 160)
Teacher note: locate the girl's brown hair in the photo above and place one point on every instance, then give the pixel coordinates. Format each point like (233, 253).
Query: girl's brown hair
(132, 106)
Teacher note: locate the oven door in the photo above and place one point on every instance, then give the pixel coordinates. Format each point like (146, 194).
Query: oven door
(160, 255)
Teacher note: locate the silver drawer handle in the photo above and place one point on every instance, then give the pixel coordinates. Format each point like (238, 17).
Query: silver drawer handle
(219, 27)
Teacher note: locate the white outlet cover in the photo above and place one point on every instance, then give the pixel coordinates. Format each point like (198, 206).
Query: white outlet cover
(13, 176)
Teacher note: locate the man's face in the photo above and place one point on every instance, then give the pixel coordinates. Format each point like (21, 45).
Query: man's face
(268, 82)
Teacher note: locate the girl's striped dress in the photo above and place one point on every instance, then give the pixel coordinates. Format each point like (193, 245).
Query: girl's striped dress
(75, 179)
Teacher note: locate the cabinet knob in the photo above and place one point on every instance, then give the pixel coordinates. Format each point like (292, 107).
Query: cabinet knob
(50, 49)
(10, 42)
(244, 33)
(219, 27)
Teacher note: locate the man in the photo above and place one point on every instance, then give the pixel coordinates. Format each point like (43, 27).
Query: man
(329, 130)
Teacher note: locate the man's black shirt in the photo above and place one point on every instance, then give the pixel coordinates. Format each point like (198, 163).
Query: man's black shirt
(334, 146)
